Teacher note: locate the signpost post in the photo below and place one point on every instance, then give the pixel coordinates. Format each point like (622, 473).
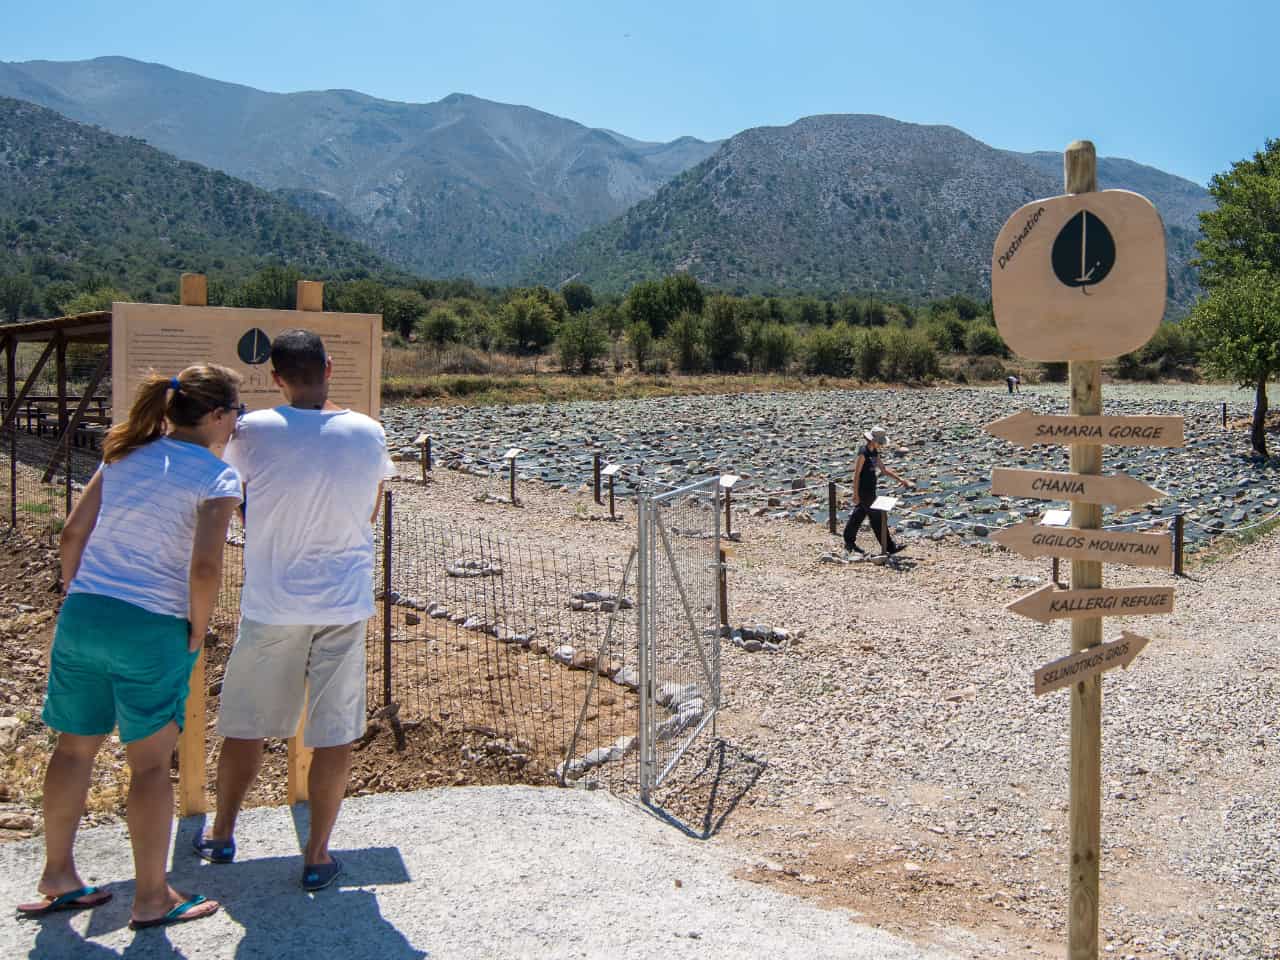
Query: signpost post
(884, 505)
(1082, 278)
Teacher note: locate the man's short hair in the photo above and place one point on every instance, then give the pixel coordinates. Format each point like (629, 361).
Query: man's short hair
(299, 357)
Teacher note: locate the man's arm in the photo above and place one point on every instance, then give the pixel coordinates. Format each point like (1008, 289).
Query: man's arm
(75, 532)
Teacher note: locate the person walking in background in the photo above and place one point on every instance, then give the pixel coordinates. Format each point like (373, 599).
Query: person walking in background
(1011, 381)
(865, 473)
(313, 475)
(142, 558)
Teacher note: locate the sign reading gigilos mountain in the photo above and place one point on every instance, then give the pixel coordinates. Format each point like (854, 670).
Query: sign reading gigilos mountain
(1115, 489)
(1133, 549)
(1049, 603)
(1027, 429)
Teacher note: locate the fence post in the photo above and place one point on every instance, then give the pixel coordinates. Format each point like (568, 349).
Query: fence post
(595, 471)
(1224, 416)
(510, 456)
(386, 598)
(62, 412)
(612, 514)
(833, 520)
(427, 455)
(425, 443)
(1178, 534)
(644, 612)
(728, 514)
(11, 381)
(724, 589)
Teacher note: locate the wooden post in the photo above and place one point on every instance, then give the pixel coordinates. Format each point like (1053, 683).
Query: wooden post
(728, 512)
(1224, 416)
(833, 520)
(724, 589)
(511, 461)
(193, 292)
(386, 598)
(11, 388)
(299, 761)
(61, 343)
(595, 472)
(1179, 533)
(1080, 168)
(427, 455)
(884, 532)
(612, 514)
(1057, 573)
(310, 295)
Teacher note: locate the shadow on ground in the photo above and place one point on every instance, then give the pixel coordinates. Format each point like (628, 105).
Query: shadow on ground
(705, 789)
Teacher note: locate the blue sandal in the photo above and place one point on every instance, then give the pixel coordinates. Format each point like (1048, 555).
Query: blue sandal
(215, 851)
(71, 900)
(317, 876)
(179, 914)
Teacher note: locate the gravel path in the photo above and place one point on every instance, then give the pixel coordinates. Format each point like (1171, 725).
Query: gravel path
(466, 873)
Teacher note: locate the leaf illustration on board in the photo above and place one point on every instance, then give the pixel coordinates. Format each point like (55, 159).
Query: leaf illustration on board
(1084, 251)
(254, 347)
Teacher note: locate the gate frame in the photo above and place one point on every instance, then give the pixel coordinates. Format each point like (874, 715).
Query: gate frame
(648, 520)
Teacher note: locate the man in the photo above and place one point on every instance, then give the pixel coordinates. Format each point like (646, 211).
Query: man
(865, 470)
(313, 476)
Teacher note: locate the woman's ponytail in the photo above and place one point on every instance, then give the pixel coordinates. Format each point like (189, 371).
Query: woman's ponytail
(182, 400)
(145, 422)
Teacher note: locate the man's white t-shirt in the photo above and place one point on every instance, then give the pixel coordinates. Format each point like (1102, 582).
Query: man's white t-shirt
(311, 484)
(140, 547)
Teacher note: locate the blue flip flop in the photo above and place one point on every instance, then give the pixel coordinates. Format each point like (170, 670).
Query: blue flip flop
(179, 914)
(67, 901)
(215, 851)
(317, 876)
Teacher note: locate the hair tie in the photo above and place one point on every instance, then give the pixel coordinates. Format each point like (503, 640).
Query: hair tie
(174, 385)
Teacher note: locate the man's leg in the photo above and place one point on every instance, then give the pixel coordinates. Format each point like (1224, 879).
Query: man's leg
(238, 767)
(66, 786)
(853, 526)
(327, 785)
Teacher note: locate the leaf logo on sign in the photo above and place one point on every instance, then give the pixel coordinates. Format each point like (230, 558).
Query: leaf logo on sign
(254, 347)
(1084, 251)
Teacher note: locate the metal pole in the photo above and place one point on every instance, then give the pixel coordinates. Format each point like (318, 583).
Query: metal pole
(832, 519)
(11, 380)
(595, 481)
(724, 589)
(1178, 534)
(386, 598)
(642, 646)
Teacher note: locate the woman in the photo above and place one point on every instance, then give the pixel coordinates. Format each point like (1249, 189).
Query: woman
(865, 470)
(142, 554)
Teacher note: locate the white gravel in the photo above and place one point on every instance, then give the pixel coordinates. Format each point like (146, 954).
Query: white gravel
(487, 872)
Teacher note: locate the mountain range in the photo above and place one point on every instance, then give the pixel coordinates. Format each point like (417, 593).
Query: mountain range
(502, 193)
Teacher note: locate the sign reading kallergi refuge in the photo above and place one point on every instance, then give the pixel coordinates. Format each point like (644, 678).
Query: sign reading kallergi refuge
(165, 338)
(1080, 277)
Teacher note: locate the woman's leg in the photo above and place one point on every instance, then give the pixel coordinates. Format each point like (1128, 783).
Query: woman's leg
(150, 816)
(66, 787)
(853, 526)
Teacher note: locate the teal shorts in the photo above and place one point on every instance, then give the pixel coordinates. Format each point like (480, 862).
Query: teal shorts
(114, 663)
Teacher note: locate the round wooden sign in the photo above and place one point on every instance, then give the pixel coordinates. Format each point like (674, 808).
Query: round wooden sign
(1080, 277)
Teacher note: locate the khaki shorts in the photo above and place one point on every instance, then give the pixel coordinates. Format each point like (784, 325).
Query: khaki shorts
(274, 670)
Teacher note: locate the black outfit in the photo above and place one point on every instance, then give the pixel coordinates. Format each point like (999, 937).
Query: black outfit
(866, 483)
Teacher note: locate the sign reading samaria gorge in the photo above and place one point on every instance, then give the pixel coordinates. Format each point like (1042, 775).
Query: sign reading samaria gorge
(1080, 277)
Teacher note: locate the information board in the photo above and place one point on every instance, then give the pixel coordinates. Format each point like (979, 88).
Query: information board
(165, 338)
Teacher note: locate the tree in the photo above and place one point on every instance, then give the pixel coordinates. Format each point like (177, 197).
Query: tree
(777, 347)
(581, 342)
(985, 341)
(440, 326)
(528, 323)
(645, 303)
(273, 288)
(722, 333)
(682, 293)
(685, 336)
(1242, 233)
(577, 296)
(401, 310)
(362, 296)
(56, 296)
(640, 340)
(15, 294)
(1239, 325)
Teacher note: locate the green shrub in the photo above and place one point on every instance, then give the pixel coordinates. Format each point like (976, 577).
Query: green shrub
(581, 342)
(908, 355)
(777, 347)
(870, 351)
(985, 341)
(685, 340)
(640, 342)
(830, 351)
(440, 326)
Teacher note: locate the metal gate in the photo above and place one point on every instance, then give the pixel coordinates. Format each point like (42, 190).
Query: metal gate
(678, 555)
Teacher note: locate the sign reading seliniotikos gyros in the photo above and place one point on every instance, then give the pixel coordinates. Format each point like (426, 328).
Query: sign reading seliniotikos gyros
(1080, 277)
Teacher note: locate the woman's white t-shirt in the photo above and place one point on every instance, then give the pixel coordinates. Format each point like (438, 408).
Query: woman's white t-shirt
(140, 548)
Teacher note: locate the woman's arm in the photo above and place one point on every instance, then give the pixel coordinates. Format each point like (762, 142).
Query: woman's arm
(75, 532)
(857, 472)
(212, 521)
(897, 476)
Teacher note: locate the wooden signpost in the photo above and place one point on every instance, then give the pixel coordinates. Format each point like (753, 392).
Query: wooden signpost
(1049, 603)
(1081, 278)
(1116, 489)
(1088, 663)
(1027, 429)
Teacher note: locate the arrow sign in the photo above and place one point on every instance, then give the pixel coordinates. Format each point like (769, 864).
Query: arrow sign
(1116, 488)
(1078, 666)
(1027, 428)
(1134, 549)
(1049, 603)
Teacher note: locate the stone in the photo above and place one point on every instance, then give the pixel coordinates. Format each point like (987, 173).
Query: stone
(16, 821)
(9, 728)
(753, 646)
(563, 654)
(412, 619)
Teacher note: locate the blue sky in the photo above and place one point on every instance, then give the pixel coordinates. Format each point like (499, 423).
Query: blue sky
(1187, 87)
